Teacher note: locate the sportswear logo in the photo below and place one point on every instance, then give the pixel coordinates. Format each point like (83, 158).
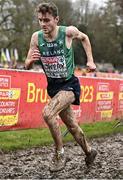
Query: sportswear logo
(70, 88)
(42, 44)
(60, 42)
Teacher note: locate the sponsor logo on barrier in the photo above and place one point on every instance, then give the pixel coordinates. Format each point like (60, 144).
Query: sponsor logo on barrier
(104, 100)
(35, 94)
(120, 105)
(105, 96)
(5, 82)
(106, 114)
(9, 102)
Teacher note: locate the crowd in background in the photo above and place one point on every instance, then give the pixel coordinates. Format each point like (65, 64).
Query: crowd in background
(103, 72)
(9, 59)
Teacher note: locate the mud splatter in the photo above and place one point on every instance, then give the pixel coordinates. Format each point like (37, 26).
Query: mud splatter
(33, 163)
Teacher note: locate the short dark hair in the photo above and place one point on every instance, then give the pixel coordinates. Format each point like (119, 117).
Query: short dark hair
(50, 8)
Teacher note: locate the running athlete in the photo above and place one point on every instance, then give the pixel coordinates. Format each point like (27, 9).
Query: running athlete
(53, 46)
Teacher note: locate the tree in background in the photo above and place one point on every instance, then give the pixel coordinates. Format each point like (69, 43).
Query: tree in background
(105, 29)
(103, 25)
(105, 34)
(119, 9)
(80, 20)
(16, 24)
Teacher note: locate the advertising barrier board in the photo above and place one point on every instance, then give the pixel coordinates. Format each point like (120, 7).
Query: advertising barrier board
(23, 96)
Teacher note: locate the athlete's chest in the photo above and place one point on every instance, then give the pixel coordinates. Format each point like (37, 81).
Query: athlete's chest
(52, 48)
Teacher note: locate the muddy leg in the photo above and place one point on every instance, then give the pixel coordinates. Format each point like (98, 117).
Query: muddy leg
(59, 102)
(68, 118)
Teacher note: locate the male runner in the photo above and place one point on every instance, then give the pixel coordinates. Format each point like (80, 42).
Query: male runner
(53, 46)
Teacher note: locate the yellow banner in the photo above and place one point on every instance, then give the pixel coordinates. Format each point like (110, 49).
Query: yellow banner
(106, 114)
(121, 96)
(104, 96)
(8, 120)
(12, 93)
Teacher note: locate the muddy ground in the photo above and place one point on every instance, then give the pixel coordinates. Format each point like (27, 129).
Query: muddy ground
(33, 163)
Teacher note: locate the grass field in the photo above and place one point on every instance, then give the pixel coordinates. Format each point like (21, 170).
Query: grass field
(21, 139)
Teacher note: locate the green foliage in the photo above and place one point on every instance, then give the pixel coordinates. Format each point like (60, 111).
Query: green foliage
(16, 24)
(107, 35)
(104, 26)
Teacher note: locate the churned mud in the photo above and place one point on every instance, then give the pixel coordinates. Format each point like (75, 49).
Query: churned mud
(33, 163)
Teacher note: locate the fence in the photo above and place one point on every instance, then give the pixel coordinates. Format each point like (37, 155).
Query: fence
(23, 96)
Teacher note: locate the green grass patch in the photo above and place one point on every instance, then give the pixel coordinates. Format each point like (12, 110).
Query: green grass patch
(22, 139)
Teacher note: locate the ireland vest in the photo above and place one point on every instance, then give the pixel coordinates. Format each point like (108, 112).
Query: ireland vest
(56, 59)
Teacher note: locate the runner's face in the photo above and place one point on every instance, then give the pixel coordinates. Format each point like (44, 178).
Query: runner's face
(47, 22)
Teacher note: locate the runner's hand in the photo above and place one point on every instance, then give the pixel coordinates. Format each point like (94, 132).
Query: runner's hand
(36, 55)
(91, 67)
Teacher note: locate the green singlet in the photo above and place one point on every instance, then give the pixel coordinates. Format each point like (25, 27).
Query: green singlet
(57, 60)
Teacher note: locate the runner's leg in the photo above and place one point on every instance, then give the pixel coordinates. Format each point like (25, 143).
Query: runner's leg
(68, 117)
(59, 102)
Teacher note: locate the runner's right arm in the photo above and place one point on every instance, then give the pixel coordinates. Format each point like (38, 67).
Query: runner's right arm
(33, 53)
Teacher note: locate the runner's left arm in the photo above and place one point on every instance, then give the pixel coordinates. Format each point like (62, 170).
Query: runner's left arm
(74, 33)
